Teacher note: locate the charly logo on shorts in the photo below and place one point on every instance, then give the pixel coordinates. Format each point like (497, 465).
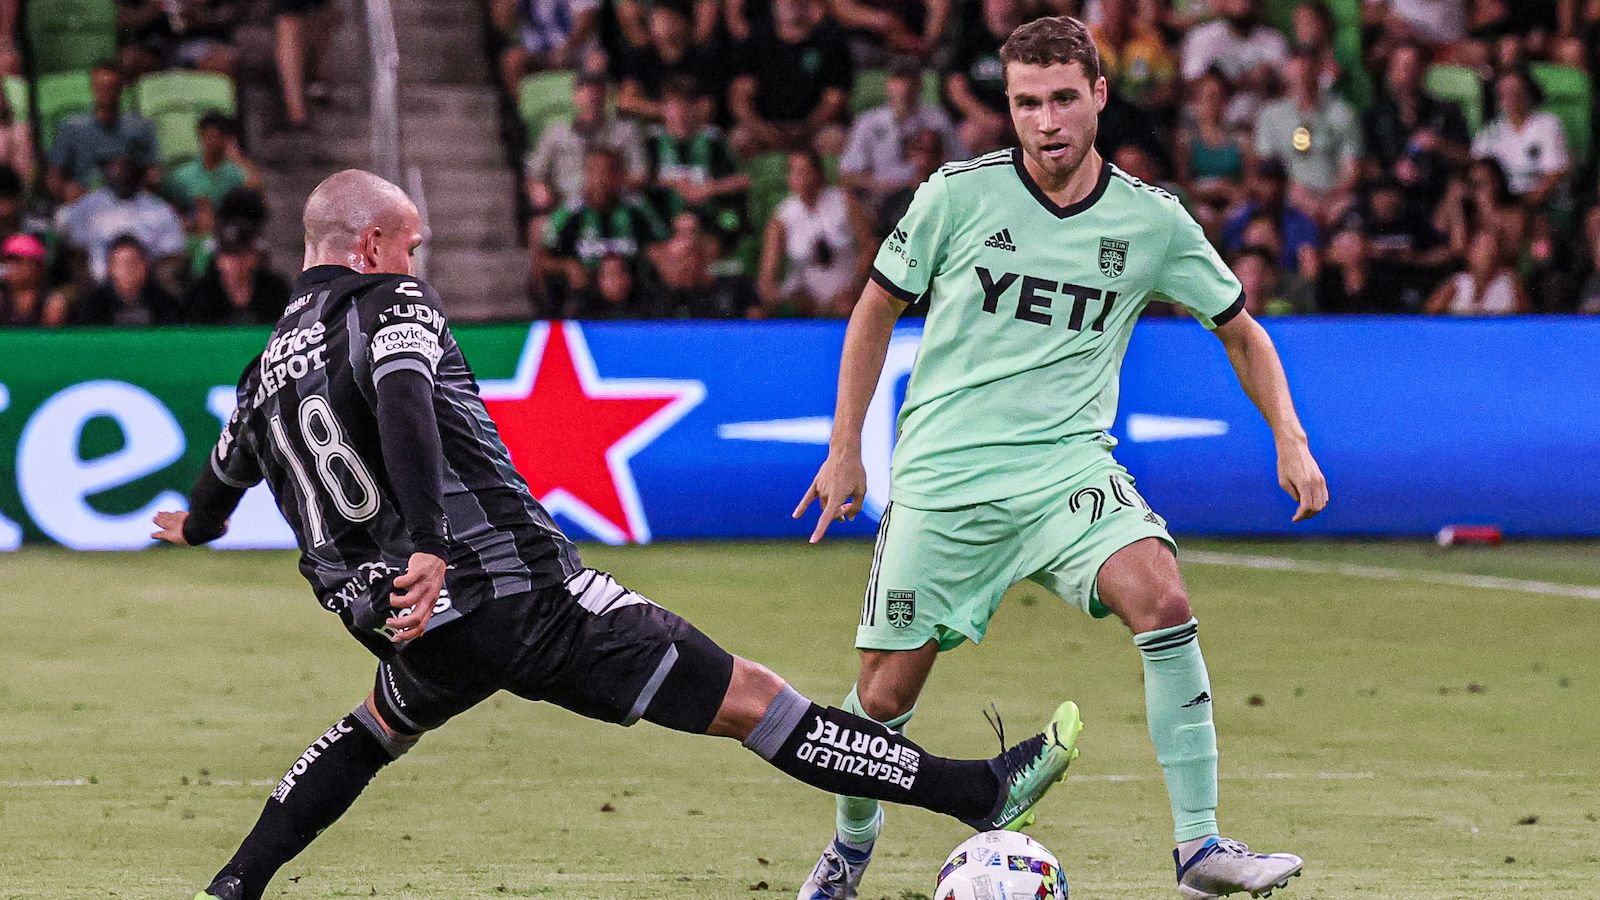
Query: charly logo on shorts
(902, 608)
(1113, 257)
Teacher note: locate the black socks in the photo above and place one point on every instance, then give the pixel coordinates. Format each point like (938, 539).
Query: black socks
(846, 754)
(315, 792)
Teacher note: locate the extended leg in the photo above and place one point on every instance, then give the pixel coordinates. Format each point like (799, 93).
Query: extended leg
(843, 753)
(315, 792)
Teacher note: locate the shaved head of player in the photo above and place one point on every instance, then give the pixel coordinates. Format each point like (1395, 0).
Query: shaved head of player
(358, 220)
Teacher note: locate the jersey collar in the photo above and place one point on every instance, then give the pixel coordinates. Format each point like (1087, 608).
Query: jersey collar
(319, 274)
(1060, 212)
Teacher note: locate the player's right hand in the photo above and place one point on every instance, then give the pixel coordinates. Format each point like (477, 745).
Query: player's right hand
(421, 583)
(169, 527)
(840, 488)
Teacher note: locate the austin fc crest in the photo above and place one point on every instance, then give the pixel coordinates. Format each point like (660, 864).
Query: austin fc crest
(902, 608)
(1113, 257)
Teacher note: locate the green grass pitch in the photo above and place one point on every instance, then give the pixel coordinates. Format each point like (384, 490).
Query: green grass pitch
(1412, 739)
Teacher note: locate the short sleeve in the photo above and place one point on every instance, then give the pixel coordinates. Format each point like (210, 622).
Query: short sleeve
(630, 143)
(61, 150)
(1554, 158)
(1194, 276)
(166, 236)
(559, 232)
(410, 330)
(142, 143)
(857, 156)
(913, 252)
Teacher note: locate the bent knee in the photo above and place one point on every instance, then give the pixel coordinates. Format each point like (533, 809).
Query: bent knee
(1167, 608)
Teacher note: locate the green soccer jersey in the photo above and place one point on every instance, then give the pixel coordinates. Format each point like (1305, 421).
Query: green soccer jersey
(1031, 306)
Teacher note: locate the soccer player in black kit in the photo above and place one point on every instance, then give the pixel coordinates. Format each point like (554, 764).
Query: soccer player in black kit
(364, 419)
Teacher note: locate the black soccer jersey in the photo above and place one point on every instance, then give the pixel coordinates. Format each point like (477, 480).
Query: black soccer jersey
(307, 423)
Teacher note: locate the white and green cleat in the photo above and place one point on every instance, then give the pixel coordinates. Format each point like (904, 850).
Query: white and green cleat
(1028, 770)
(1222, 867)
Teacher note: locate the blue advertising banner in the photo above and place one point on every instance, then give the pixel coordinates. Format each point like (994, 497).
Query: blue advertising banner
(648, 431)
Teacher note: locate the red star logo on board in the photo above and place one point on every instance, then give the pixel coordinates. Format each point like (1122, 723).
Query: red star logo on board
(571, 432)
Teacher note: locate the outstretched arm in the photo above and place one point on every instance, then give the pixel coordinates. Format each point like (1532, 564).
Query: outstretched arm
(211, 502)
(1260, 372)
(230, 470)
(841, 485)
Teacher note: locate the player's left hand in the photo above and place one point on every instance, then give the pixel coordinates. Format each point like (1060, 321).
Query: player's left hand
(1301, 477)
(421, 584)
(170, 525)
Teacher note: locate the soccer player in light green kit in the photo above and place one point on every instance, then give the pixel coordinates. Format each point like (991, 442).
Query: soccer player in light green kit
(1037, 261)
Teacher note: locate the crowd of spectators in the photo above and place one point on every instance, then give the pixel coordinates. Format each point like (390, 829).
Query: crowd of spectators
(1316, 157)
(102, 227)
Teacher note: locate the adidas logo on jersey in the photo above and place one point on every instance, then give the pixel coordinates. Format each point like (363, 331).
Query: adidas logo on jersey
(1001, 240)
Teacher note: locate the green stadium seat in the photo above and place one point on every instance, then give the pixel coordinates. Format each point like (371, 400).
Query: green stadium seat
(61, 95)
(16, 89)
(542, 97)
(1569, 94)
(932, 88)
(871, 89)
(1461, 86)
(70, 35)
(769, 184)
(175, 101)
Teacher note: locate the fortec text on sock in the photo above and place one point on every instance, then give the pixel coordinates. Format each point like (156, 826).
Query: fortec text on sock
(828, 746)
(328, 739)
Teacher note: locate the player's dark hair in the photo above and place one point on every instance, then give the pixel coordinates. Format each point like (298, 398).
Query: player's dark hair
(812, 158)
(1051, 41)
(127, 240)
(684, 87)
(1529, 84)
(1323, 12)
(216, 118)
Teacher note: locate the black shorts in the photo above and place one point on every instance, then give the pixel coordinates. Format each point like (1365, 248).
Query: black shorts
(591, 646)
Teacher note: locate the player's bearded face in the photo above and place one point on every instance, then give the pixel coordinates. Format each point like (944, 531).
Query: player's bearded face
(1056, 111)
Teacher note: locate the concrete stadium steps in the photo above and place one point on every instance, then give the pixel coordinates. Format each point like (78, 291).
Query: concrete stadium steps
(450, 133)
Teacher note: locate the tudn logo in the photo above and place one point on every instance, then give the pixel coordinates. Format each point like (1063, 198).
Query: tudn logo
(1001, 240)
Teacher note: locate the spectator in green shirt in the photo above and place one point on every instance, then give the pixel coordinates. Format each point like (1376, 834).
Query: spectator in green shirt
(220, 167)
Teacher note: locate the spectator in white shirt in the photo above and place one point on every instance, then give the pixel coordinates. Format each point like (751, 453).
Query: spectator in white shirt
(1529, 144)
(876, 158)
(1430, 22)
(1241, 48)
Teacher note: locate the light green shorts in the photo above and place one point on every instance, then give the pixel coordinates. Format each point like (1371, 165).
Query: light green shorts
(940, 574)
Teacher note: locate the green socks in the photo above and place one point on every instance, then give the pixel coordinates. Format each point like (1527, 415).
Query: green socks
(1177, 698)
(858, 819)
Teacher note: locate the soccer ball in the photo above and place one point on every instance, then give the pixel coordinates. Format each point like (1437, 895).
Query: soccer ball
(1001, 865)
